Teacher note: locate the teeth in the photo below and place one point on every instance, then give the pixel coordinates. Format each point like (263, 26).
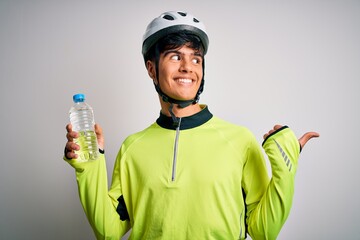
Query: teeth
(184, 80)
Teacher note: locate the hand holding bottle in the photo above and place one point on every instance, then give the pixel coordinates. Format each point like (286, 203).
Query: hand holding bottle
(71, 146)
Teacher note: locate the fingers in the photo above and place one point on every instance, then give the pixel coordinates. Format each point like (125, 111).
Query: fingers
(275, 128)
(70, 133)
(98, 130)
(70, 146)
(69, 127)
(306, 137)
(70, 149)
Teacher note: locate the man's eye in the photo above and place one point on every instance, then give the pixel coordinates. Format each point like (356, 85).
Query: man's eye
(196, 60)
(175, 57)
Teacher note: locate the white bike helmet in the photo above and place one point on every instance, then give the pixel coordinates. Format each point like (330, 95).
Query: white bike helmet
(172, 22)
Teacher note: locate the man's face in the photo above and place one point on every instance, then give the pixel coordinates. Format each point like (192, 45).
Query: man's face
(180, 72)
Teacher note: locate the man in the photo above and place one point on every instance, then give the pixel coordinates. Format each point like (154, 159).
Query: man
(190, 175)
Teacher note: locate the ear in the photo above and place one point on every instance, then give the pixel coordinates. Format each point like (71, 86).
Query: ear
(150, 66)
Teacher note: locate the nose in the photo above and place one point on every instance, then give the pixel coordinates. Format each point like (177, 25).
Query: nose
(185, 65)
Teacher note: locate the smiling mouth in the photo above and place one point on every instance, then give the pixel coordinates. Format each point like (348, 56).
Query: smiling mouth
(184, 80)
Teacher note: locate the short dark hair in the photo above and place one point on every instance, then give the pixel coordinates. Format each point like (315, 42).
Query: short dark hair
(174, 41)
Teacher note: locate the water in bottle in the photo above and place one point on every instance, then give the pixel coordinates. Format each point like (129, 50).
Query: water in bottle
(82, 121)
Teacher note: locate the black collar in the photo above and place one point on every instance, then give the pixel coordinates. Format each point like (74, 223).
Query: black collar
(186, 122)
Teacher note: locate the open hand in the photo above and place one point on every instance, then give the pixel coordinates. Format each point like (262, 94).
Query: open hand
(303, 140)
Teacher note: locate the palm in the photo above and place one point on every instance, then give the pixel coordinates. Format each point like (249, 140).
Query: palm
(306, 137)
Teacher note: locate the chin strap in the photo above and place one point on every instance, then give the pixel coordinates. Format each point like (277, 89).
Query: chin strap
(174, 118)
(180, 103)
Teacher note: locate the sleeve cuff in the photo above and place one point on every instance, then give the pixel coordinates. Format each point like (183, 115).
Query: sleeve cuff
(280, 129)
(102, 151)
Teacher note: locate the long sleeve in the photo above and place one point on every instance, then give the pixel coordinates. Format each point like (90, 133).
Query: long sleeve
(99, 204)
(266, 218)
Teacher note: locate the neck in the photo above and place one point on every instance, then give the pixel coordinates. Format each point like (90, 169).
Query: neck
(178, 111)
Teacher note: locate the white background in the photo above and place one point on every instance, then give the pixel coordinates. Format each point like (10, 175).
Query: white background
(288, 62)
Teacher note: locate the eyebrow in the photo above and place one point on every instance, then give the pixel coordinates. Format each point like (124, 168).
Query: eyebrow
(196, 53)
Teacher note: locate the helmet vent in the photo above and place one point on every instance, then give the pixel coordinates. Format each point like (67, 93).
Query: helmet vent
(168, 17)
(195, 20)
(182, 14)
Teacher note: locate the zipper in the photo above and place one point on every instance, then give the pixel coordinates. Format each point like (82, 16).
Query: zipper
(173, 175)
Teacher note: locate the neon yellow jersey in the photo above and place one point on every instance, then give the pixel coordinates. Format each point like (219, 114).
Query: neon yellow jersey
(206, 179)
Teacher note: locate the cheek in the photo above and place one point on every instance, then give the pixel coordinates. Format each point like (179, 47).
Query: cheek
(166, 72)
(163, 77)
(200, 72)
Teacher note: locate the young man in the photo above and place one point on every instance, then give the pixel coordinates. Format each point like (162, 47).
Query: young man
(190, 175)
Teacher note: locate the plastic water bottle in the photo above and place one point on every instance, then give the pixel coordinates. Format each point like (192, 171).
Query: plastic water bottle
(82, 121)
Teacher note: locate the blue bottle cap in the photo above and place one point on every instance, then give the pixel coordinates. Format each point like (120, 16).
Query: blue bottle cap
(79, 97)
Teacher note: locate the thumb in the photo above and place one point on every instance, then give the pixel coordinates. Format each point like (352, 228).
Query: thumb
(306, 137)
(99, 136)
